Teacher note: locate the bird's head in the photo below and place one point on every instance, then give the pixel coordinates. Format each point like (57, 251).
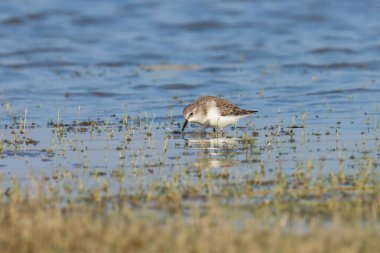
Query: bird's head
(192, 113)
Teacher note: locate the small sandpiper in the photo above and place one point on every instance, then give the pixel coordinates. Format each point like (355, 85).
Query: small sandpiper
(214, 112)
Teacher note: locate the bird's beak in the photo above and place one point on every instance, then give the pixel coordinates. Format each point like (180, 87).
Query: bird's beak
(185, 124)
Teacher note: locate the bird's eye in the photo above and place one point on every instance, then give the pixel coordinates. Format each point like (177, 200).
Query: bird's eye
(191, 114)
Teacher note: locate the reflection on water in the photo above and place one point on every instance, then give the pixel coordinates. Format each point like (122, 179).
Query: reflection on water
(213, 163)
(205, 141)
(212, 151)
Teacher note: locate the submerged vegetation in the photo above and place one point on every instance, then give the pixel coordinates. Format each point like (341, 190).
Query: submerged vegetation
(133, 184)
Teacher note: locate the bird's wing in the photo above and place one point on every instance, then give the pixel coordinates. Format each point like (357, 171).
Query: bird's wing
(234, 110)
(227, 109)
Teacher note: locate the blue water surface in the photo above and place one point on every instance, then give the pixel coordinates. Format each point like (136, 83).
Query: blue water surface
(146, 56)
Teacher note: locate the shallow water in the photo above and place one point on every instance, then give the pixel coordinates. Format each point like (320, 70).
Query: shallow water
(315, 65)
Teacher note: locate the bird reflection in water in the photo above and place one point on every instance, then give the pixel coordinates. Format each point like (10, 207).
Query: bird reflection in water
(213, 151)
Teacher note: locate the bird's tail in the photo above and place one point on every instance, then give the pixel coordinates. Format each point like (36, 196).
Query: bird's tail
(253, 111)
(244, 111)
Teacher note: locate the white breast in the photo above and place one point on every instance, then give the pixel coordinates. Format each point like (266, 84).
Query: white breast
(227, 120)
(215, 120)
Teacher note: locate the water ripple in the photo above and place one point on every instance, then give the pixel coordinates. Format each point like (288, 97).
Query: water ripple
(41, 64)
(328, 50)
(36, 51)
(181, 86)
(338, 65)
(343, 91)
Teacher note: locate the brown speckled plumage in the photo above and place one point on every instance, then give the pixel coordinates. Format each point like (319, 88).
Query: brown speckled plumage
(226, 108)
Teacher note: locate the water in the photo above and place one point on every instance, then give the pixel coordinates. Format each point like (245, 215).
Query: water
(97, 60)
(298, 56)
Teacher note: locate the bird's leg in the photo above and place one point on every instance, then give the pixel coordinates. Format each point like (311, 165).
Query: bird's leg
(217, 130)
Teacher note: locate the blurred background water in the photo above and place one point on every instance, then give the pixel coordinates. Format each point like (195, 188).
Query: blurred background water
(114, 56)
